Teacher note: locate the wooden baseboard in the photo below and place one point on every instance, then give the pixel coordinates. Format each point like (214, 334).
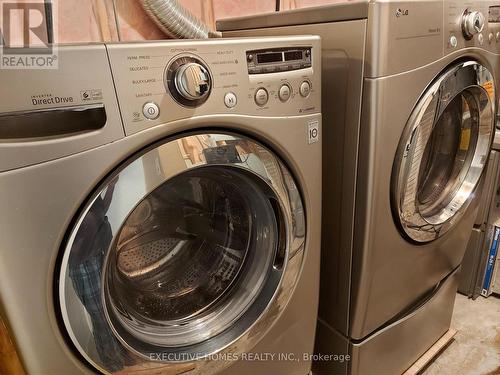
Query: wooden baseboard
(9, 360)
(431, 354)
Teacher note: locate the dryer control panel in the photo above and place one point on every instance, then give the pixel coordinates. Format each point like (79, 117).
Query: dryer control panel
(472, 24)
(159, 82)
(411, 34)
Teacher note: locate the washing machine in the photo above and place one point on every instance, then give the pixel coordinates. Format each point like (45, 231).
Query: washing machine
(161, 207)
(409, 103)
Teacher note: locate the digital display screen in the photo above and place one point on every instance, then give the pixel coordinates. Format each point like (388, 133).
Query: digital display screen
(293, 55)
(494, 14)
(263, 58)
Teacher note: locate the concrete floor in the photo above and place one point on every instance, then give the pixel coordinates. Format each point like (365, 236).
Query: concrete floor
(475, 349)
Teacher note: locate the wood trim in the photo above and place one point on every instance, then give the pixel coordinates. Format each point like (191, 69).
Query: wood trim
(10, 364)
(430, 355)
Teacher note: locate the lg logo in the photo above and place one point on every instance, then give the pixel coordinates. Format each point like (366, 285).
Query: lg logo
(401, 12)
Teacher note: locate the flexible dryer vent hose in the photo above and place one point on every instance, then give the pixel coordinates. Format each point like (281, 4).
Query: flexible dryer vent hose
(176, 21)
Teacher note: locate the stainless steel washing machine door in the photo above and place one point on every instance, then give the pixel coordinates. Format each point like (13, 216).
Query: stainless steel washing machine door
(443, 151)
(181, 252)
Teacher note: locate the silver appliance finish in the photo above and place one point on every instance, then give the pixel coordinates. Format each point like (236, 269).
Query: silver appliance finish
(478, 247)
(384, 280)
(476, 254)
(166, 234)
(472, 272)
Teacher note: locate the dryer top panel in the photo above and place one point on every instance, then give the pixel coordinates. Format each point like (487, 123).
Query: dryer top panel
(352, 10)
(400, 35)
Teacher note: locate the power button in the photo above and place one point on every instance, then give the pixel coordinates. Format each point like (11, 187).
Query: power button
(151, 110)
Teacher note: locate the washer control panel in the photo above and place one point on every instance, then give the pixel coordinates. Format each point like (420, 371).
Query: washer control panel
(160, 82)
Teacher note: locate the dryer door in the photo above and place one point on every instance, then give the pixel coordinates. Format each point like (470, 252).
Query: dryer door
(443, 151)
(181, 252)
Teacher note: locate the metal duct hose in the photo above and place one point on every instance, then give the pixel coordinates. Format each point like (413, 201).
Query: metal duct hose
(176, 21)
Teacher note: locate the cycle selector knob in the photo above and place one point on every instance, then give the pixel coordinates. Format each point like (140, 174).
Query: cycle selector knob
(472, 23)
(192, 81)
(188, 81)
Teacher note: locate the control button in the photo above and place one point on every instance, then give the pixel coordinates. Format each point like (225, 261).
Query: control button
(261, 96)
(150, 111)
(230, 99)
(491, 37)
(480, 39)
(284, 93)
(305, 89)
(453, 41)
(497, 36)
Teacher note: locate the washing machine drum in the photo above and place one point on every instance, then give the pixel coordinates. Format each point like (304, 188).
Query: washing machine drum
(181, 252)
(443, 151)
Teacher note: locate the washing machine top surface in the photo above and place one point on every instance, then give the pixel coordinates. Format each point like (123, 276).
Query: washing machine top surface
(216, 76)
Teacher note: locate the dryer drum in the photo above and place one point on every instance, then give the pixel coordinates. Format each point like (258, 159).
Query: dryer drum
(448, 154)
(443, 151)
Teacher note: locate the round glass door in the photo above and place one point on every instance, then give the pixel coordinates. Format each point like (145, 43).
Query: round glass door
(443, 152)
(181, 252)
(185, 250)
